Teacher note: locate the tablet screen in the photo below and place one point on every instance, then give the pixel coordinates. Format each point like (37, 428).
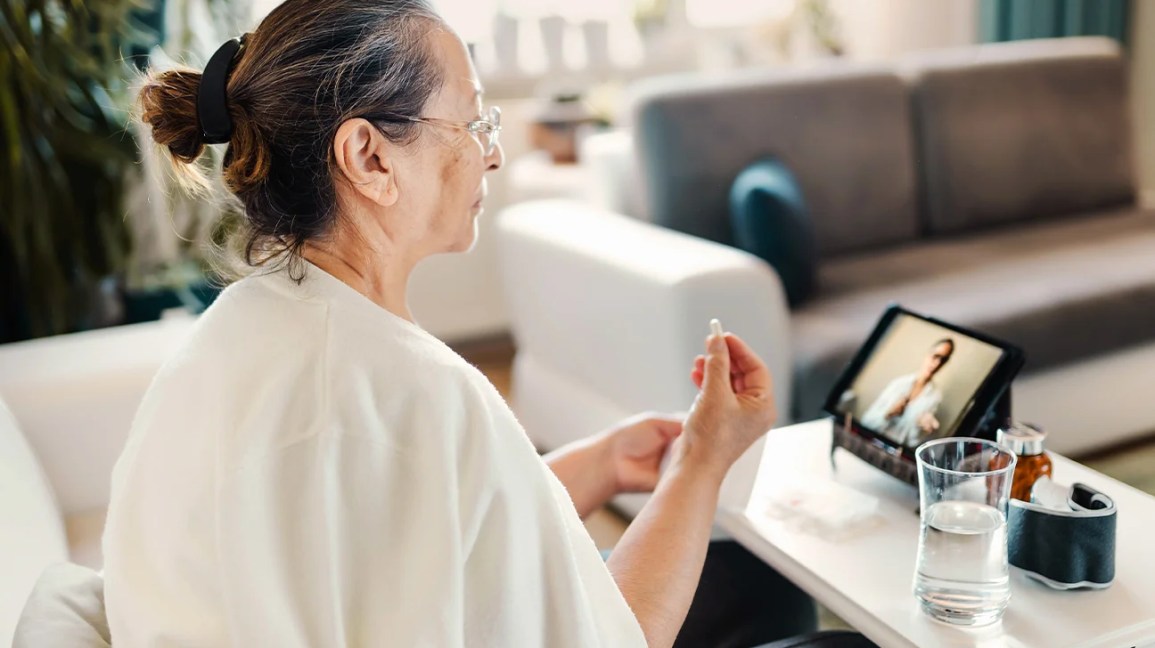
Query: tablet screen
(918, 381)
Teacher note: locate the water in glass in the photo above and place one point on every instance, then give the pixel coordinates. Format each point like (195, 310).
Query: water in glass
(962, 573)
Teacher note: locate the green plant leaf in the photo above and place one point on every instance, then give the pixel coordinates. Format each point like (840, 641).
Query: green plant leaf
(65, 156)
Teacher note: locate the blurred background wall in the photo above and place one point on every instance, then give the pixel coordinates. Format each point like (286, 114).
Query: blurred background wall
(458, 297)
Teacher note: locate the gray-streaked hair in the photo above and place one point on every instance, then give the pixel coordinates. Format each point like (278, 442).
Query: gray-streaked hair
(307, 68)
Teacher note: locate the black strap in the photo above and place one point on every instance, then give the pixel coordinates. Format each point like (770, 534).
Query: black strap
(212, 105)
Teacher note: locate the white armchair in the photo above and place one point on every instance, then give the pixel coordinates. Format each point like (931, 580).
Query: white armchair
(608, 313)
(66, 406)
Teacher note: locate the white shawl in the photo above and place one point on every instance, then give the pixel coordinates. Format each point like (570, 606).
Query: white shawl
(311, 470)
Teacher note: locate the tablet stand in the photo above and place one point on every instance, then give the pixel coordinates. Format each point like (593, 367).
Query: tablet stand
(891, 461)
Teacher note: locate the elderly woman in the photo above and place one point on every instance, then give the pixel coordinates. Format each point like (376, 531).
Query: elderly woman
(313, 468)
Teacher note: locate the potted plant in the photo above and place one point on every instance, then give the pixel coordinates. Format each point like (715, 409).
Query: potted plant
(65, 155)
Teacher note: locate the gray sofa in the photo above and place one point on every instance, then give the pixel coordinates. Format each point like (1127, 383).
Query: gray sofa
(991, 186)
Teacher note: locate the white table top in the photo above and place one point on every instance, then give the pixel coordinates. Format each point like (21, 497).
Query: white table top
(867, 578)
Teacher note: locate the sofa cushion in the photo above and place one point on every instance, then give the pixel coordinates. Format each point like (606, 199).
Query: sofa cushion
(31, 530)
(769, 220)
(76, 394)
(65, 610)
(1011, 132)
(1063, 291)
(843, 130)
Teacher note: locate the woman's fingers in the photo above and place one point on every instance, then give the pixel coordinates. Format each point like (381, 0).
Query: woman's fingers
(735, 405)
(668, 426)
(748, 366)
(698, 373)
(717, 366)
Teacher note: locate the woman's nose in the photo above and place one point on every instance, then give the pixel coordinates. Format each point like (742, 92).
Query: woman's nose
(496, 158)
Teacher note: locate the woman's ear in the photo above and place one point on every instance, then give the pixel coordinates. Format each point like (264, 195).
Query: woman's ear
(363, 155)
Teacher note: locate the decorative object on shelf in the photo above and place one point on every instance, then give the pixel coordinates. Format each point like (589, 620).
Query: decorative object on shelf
(809, 29)
(596, 36)
(557, 126)
(505, 44)
(822, 26)
(769, 33)
(651, 18)
(553, 32)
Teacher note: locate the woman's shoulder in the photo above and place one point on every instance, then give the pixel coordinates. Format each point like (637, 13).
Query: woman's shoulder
(269, 322)
(261, 331)
(250, 323)
(272, 306)
(905, 380)
(316, 367)
(367, 348)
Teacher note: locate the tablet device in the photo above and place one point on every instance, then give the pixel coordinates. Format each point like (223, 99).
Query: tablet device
(917, 378)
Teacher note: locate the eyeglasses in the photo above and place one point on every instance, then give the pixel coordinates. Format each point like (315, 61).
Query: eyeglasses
(486, 129)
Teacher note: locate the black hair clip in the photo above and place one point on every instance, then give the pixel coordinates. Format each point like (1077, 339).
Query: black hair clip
(212, 100)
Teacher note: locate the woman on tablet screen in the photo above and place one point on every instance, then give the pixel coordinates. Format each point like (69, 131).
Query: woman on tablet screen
(905, 411)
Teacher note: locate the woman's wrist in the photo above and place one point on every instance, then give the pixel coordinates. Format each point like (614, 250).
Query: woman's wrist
(698, 465)
(703, 479)
(605, 465)
(586, 470)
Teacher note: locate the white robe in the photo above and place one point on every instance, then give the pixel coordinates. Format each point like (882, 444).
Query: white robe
(311, 470)
(904, 428)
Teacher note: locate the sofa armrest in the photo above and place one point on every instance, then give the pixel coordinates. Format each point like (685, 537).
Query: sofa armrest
(621, 307)
(75, 396)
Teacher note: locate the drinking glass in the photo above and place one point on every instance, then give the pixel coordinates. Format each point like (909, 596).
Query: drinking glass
(964, 484)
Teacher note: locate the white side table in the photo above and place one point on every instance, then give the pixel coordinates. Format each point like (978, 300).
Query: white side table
(867, 578)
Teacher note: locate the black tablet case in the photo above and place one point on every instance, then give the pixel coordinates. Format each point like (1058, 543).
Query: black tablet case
(891, 461)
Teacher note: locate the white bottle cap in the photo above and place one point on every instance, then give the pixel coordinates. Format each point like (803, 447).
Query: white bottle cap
(1023, 439)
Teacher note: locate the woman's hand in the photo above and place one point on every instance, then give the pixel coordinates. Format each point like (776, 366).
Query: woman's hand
(735, 404)
(928, 423)
(899, 407)
(637, 446)
(658, 561)
(623, 459)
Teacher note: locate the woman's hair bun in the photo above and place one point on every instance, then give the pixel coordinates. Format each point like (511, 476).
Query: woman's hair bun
(168, 103)
(307, 68)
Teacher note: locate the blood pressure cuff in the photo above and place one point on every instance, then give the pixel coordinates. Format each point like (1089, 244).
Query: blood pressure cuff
(1068, 546)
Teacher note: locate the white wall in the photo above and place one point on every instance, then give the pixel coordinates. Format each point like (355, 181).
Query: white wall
(458, 297)
(883, 29)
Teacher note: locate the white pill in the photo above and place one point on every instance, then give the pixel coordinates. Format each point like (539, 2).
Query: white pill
(716, 327)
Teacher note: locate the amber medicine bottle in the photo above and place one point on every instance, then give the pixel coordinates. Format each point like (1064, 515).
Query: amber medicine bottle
(1026, 441)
